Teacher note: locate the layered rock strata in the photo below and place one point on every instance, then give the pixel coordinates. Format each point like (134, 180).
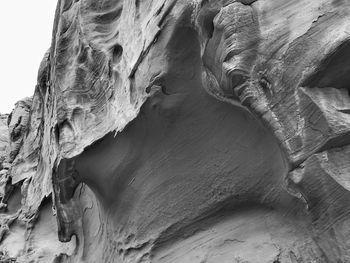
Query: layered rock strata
(183, 131)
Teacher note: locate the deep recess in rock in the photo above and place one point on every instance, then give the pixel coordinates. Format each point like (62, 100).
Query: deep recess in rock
(183, 131)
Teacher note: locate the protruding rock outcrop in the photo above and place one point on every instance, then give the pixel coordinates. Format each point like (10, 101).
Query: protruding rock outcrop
(183, 131)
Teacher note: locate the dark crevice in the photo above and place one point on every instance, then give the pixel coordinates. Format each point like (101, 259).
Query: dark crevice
(166, 13)
(17, 131)
(57, 134)
(208, 23)
(337, 143)
(346, 111)
(137, 7)
(247, 2)
(333, 71)
(65, 180)
(117, 54)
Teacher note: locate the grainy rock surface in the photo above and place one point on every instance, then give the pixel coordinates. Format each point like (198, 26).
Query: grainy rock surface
(183, 131)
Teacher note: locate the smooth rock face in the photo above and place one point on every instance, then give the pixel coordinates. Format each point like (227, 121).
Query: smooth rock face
(183, 131)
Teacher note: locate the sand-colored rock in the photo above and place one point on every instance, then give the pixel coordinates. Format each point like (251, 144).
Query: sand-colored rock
(183, 131)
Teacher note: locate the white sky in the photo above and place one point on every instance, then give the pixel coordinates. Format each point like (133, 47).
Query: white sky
(25, 28)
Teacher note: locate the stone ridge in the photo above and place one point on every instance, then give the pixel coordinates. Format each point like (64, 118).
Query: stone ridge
(183, 131)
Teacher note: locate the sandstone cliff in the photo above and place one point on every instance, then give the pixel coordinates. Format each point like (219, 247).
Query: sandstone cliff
(183, 131)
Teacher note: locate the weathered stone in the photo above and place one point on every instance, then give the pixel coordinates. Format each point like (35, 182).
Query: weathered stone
(183, 131)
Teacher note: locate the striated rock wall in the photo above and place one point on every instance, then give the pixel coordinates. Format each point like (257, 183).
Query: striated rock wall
(183, 131)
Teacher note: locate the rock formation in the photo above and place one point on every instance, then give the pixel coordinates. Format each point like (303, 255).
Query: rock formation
(183, 131)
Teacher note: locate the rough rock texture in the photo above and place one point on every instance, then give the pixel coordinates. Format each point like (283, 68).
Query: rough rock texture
(183, 131)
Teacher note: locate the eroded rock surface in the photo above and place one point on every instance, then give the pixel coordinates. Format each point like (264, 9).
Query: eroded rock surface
(183, 131)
